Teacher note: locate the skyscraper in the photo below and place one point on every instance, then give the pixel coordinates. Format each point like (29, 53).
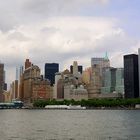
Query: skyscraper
(131, 76)
(50, 70)
(76, 69)
(109, 80)
(2, 82)
(101, 62)
(80, 69)
(139, 68)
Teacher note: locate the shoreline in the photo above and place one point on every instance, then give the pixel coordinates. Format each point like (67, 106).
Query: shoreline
(94, 108)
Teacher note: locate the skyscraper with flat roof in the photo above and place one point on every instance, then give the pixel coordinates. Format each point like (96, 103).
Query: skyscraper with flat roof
(50, 70)
(139, 68)
(131, 76)
(2, 82)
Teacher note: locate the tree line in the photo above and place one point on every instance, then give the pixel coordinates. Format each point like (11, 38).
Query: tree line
(89, 103)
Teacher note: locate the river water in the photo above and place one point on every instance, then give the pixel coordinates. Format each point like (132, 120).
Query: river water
(69, 124)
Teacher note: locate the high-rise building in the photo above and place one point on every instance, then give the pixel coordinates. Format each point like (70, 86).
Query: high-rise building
(86, 76)
(101, 62)
(80, 69)
(109, 80)
(120, 80)
(139, 68)
(94, 88)
(50, 70)
(113, 80)
(29, 76)
(2, 82)
(131, 76)
(32, 85)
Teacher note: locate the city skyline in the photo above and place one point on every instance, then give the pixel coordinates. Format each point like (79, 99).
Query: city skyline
(37, 30)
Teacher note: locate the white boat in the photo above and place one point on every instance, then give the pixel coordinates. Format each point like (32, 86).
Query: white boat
(70, 107)
(76, 107)
(56, 107)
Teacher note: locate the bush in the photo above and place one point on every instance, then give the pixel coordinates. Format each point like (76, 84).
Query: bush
(89, 103)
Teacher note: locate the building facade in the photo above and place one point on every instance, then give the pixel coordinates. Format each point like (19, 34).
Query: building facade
(131, 76)
(94, 88)
(113, 80)
(139, 68)
(50, 70)
(80, 69)
(2, 82)
(119, 81)
(109, 80)
(101, 62)
(32, 85)
(75, 92)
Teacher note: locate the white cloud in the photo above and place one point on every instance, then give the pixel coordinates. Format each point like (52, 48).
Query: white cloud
(15, 13)
(64, 39)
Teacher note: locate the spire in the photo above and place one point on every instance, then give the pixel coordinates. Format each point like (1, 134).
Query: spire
(106, 56)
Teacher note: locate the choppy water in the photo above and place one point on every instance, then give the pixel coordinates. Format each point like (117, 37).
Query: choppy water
(69, 125)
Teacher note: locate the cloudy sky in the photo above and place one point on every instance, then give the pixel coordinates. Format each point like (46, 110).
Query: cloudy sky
(66, 30)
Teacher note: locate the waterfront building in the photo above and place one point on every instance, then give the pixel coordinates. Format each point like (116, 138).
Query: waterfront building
(58, 76)
(32, 85)
(62, 86)
(14, 89)
(86, 76)
(109, 80)
(41, 89)
(139, 68)
(113, 80)
(60, 89)
(59, 83)
(94, 88)
(97, 66)
(30, 74)
(119, 81)
(101, 62)
(21, 84)
(3, 85)
(7, 96)
(50, 70)
(131, 76)
(75, 92)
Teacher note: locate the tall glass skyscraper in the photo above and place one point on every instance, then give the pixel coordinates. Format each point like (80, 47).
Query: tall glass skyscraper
(131, 76)
(50, 70)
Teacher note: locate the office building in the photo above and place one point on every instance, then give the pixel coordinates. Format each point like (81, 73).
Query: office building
(75, 92)
(131, 76)
(139, 68)
(102, 62)
(32, 85)
(50, 70)
(94, 87)
(80, 69)
(109, 80)
(2, 82)
(119, 81)
(86, 76)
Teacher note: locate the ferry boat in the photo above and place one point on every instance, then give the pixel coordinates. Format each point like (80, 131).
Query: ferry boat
(76, 107)
(56, 107)
(70, 107)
